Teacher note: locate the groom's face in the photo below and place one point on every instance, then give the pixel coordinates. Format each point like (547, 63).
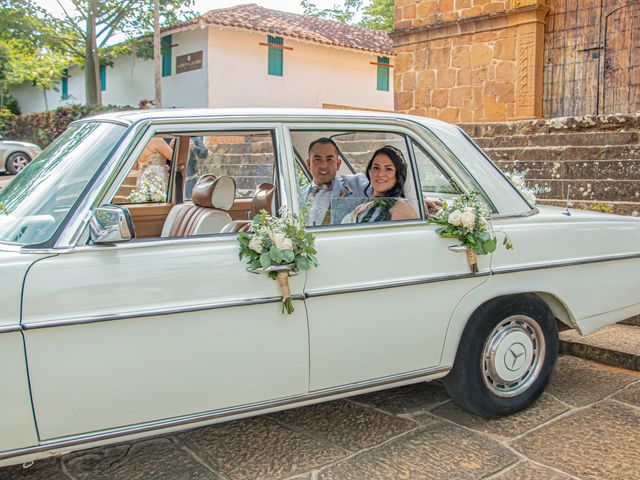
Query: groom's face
(323, 163)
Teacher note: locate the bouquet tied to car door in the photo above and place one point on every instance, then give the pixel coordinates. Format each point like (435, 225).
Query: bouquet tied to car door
(278, 246)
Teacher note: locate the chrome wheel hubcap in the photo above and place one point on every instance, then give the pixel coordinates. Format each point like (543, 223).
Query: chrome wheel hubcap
(513, 356)
(19, 162)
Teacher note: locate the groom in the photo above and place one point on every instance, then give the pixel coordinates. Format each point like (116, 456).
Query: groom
(330, 196)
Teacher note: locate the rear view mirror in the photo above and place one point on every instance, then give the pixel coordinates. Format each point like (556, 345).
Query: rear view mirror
(111, 224)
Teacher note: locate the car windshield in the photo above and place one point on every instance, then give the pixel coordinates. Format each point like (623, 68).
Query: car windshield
(35, 203)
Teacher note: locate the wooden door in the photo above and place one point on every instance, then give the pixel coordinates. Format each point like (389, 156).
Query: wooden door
(622, 60)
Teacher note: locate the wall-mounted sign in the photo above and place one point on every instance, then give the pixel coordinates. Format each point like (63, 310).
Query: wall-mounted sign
(190, 61)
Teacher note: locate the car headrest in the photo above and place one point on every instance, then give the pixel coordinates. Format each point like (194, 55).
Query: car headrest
(212, 192)
(263, 198)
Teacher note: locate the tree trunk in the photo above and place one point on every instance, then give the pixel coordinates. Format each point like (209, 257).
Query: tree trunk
(156, 54)
(91, 61)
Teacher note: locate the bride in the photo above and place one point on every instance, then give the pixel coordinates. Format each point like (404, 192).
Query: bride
(387, 172)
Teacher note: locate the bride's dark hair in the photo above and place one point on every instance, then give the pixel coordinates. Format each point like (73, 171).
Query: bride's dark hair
(401, 170)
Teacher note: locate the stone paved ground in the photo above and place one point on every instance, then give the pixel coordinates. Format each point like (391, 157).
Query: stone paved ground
(586, 426)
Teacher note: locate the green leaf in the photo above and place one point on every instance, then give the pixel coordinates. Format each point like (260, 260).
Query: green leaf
(302, 263)
(275, 254)
(288, 256)
(265, 260)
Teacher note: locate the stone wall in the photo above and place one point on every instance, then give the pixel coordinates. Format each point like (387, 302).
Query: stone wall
(594, 160)
(469, 60)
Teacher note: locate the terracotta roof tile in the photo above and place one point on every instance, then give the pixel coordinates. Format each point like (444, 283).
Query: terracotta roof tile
(327, 32)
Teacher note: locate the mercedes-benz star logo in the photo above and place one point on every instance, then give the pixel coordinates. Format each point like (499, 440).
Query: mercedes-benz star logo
(515, 356)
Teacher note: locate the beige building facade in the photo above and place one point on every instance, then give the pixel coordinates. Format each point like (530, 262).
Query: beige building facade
(470, 60)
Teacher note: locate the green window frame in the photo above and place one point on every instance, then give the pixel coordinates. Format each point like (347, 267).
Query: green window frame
(166, 55)
(65, 84)
(275, 56)
(383, 74)
(103, 78)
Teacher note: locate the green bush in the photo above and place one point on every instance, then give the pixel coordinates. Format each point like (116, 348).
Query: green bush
(43, 127)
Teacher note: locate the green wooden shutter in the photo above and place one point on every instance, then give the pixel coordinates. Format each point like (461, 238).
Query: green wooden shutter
(383, 74)
(275, 56)
(166, 55)
(65, 83)
(103, 78)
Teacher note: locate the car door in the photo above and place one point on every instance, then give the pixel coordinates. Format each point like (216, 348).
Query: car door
(158, 331)
(380, 301)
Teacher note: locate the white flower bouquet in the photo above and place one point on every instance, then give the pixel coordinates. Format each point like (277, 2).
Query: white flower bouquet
(278, 241)
(151, 189)
(518, 181)
(466, 219)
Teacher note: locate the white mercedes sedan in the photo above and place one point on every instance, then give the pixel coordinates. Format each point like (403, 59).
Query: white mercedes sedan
(125, 310)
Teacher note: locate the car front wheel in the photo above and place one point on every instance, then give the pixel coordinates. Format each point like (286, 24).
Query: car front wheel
(506, 356)
(16, 162)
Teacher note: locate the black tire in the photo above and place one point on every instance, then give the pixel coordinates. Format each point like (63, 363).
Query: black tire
(16, 162)
(506, 355)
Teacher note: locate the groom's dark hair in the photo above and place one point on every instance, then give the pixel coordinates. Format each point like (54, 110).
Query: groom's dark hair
(323, 141)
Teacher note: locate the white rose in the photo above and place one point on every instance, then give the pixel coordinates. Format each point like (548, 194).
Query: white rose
(468, 220)
(281, 241)
(255, 244)
(469, 208)
(455, 218)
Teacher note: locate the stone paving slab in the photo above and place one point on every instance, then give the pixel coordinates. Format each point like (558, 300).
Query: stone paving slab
(542, 411)
(600, 441)
(259, 448)
(530, 471)
(587, 425)
(630, 395)
(157, 458)
(346, 424)
(578, 382)
(617, 345)
(441, 451)
(42, 470)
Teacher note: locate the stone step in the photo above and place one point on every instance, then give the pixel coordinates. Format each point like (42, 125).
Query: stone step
(617, 345)
(601, 190)
(561, 139)
(574, 169)
(556, 153)
(562, 124)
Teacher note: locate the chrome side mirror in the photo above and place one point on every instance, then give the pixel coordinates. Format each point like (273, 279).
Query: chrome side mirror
(111, 224)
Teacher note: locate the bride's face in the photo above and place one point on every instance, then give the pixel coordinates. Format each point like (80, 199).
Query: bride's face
(382, 174)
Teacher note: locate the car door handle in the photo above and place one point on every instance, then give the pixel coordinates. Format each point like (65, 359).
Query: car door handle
(291, 268)
(458, 248)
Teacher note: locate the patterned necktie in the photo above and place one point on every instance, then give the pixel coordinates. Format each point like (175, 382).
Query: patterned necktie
(313, 191)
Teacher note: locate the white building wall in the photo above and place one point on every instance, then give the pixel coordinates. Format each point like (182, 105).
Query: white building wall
(313, 74)
(234, 74)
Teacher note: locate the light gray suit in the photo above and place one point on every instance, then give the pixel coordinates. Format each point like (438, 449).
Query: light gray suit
(347, 192)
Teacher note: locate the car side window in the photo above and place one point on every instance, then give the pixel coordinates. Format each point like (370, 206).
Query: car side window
(349, 176)
(208, 186)
(148, 180)
(433, 181)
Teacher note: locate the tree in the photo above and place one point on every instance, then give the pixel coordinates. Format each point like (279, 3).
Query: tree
(378, 14)
(95, 23)
(31, 47)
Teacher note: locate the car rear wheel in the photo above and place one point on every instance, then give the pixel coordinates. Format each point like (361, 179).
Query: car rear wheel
(16, 162)
(506, 356)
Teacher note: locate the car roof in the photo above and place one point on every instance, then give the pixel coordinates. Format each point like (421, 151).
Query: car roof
(286, 114)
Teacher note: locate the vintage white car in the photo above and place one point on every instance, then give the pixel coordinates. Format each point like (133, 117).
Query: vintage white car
(126, 312)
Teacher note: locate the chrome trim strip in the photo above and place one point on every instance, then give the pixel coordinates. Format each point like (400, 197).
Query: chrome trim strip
(155, 313)
(529, 213)
(569, 263)
(10, 328)
(403, 283)
(215, 414)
